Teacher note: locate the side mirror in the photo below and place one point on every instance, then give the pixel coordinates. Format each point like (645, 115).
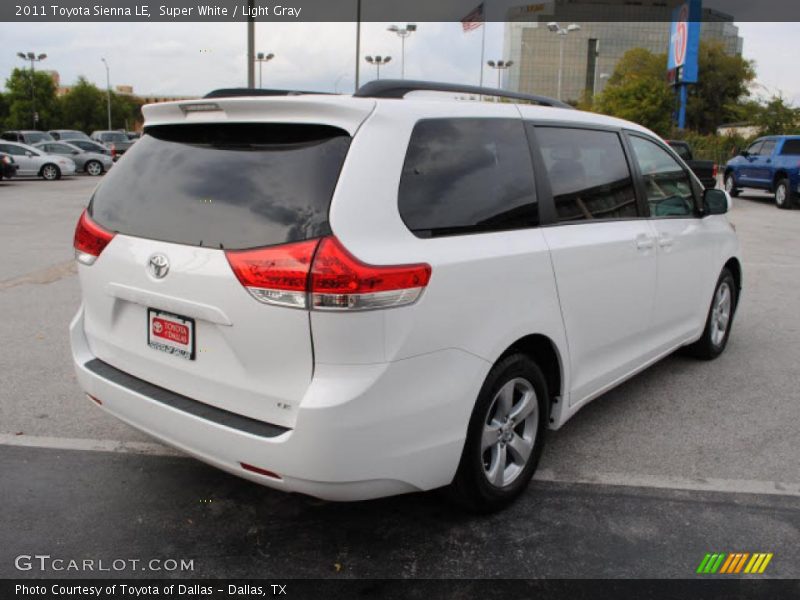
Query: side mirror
(744, 153)
(28, 153)
(75, 152)
(716, 202)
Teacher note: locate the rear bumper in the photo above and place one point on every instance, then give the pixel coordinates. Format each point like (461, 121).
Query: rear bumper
(362, 431)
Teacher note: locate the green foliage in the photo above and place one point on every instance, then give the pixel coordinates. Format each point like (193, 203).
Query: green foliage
(3, 111)
(722, 87)
(637, 91)
(777, 118)
(20, 88)
(719, 148)
(83, 108)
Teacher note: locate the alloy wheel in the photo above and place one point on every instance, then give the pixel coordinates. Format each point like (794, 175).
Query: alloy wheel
(721, 314)
(509, 432)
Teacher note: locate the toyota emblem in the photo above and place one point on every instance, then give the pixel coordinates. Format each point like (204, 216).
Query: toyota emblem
(158, 265)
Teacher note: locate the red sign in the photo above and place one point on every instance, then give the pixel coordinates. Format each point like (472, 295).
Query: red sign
(175, 332)
(681, 39)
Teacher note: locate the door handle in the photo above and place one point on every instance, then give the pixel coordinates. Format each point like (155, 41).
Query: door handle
(666, 241)
(644, 242)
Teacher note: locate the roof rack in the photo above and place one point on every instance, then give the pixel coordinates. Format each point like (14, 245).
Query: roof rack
(398, 88)
(240, 92)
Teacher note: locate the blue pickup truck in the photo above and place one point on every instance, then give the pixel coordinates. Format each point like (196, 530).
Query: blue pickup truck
(770, 163)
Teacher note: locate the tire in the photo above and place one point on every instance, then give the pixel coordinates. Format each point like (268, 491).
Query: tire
(495, 469)
(783, 194)
(50, 172)
(714, 339)
(94, 168)
(730, 185)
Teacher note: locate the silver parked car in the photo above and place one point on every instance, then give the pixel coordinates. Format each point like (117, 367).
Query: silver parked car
(35, 162)
(91, 146)
(92, 163)
(67, 134)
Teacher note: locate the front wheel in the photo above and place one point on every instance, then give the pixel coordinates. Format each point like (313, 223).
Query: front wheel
(505, 437)
(783, 194)
(719, 321)
(94, 168)
(730, 185)
(51, 172)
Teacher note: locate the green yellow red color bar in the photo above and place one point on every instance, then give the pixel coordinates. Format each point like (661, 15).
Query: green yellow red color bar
(736, 562)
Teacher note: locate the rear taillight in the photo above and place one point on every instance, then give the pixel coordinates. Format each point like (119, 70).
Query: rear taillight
(275, 275)
(323, 275)
(90, 240)
(113, 151)
(339, 281)
(715, 170)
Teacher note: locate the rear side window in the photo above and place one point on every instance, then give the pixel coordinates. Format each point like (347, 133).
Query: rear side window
(467, 176)
(588, 173)
(791, 148)
(228, 186)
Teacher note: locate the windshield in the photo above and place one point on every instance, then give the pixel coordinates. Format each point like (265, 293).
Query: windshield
(226, 186)
(32, 137)
(113, 137)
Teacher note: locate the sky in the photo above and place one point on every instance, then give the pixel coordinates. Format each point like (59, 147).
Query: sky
(193, 58)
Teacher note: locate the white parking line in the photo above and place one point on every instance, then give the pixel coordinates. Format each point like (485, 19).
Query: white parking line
(730, 486)
(53, 443)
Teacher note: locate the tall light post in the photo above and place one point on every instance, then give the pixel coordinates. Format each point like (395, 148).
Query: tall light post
(261, 58)
(108, 91)
(500, 66)
(378, 61)
(403, 33)
(33, 58)
(562, 33)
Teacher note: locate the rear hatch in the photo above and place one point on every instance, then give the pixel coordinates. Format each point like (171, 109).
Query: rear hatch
(162, 301)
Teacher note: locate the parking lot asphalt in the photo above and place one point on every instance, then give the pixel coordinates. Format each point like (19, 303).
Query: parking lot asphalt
(687, 457)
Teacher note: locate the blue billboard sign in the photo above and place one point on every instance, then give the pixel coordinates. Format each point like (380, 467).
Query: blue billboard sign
(684, 42)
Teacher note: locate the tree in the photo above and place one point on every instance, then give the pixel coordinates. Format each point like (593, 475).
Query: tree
(20, 97)
(776, 117)
(722, 88)
(83, 107)
(637, 91)
(3, 111)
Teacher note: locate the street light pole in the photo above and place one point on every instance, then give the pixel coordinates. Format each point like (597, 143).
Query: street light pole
(377, 62)
(33, 58)
(261, 58)
(251, 45)
(403, 33)
(500, 66)
(562, 33)
(108, 91)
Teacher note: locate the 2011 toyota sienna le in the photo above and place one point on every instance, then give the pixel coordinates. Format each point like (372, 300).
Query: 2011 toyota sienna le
(360, 296)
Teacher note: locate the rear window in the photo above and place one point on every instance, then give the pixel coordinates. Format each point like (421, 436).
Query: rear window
(35, 137)
(229, 186)
(791, 147)
(114, 137)
(681, 150)
(467, 176)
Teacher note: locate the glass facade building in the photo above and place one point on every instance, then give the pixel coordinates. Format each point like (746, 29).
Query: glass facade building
(592, 53)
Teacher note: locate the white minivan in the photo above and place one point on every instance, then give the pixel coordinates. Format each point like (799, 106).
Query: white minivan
(359, 296)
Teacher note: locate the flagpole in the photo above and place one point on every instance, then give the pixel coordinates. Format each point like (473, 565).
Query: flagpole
(483, 46)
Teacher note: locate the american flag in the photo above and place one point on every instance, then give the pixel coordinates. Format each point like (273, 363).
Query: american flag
(474, 19)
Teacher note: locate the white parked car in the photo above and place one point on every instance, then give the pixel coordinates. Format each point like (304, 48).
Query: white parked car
(353, 297)
(36, 163)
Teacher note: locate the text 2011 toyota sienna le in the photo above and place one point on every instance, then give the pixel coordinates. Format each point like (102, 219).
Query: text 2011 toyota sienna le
(353, 297)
